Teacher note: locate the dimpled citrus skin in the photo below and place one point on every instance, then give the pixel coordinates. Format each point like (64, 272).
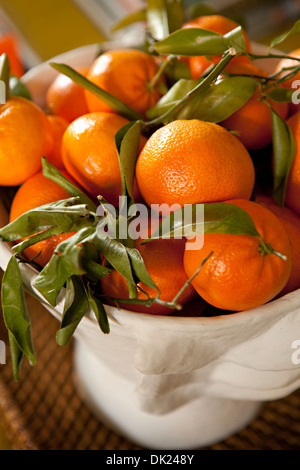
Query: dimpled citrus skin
(37, 191)
(25, 137)
(189, 162)
(90, 156)
(164, 262)
(237, 276)
(125, 74)
(292, 198)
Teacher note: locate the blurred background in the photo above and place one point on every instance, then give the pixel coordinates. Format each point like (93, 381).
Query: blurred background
(45, 28)
(36, 30)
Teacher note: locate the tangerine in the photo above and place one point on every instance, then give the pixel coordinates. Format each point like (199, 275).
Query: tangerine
(253, 121)
(164, 262)
(37, 191)
(127, 75)
(192, 161)
(25, 137)
(90, 155)
(242, 272)
(66, 98)
(59, 126)
(291, 222)
(292, 198)
(218, 24)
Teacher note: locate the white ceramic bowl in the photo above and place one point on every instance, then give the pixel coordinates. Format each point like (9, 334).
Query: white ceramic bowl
(172, 382)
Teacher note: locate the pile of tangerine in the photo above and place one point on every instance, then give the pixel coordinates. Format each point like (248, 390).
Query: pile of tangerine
(182, 162)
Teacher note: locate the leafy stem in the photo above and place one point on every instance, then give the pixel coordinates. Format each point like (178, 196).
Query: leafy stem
(173, 304)
(270, 56)
(200, 88)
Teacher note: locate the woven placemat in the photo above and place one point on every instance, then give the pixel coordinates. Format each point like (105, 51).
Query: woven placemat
(44, 412)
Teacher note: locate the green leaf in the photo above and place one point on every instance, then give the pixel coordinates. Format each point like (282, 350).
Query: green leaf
(139, 268)
(65, 214)
(157, 19)
(94, 270)
(172, 98)
(98, 310)
(135, 17)
(16, 356)
(177, 70)
(51, 232)
(55, 274)
(175, 14)
(192, 42)
(164, 17)
(92, 263)
(83, 235)
(107, 98)
(201, 87)
(52, 173)
(284, 150)
(198, 41)
(76, 306)
(217, 217)
(282, 37)
(280, 94)
(90, 252)
(116, 255)
(235, 39)
(16, 316)
(127, 141)
(17, 88)
(220, 101)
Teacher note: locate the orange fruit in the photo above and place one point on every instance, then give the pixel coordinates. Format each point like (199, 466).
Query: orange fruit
(90, 155)
(253, 121)
(286, 63)
(59, 126)
(218, 24)
(240, 274)
(65, 98)
(291, 222)
(192, 161)
(125, 74)
(164, 262)
(9, 45)
(37, 191)
(292, 197)
(25, 137)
